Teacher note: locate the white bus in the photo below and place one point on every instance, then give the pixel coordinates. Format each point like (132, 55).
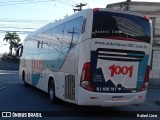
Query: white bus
(96, 57)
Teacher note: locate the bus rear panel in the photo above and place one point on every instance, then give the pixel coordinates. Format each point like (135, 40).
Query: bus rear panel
(118, 70)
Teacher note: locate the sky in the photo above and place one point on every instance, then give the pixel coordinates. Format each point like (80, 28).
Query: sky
(25, 16)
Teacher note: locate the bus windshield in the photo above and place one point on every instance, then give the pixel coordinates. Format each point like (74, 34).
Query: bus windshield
(120, 26)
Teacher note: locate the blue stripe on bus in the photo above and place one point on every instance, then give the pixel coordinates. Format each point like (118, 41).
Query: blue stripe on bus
(142, 67)
(142, 71)
(35, 79)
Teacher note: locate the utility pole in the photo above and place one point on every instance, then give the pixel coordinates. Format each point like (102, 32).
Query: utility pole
(72, 32)
(79, 6)
(127, 4)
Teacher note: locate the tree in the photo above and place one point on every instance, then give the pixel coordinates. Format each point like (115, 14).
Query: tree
(13, 40)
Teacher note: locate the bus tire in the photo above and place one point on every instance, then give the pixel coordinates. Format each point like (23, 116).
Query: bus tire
(51, 92)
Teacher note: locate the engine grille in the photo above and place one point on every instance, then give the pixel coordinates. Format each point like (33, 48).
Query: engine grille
(70, 87)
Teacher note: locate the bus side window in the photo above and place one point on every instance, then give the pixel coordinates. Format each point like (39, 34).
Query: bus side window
(72, 31)
(45, 48)
(56, 42)
(45, 44)
(56, 47)
(27, 48)
(24, 48)
(84, 25)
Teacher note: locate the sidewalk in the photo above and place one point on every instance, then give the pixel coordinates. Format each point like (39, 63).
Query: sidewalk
(155, 83)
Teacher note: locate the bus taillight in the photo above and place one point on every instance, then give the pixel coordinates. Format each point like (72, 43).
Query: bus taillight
(145, 84)
(146, 17)
(85, 81)
(95, 9)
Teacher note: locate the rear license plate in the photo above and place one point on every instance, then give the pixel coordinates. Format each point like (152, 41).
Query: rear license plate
(117, 98)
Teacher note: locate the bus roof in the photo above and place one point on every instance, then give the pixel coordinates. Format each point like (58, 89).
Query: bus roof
(81, 13)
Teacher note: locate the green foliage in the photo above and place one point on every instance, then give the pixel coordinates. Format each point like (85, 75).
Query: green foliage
(13, 40)
(10, 58)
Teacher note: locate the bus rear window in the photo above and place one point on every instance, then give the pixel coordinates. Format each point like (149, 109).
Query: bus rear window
(120, 26)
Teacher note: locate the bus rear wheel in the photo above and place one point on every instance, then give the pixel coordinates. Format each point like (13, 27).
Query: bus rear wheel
(51, 92)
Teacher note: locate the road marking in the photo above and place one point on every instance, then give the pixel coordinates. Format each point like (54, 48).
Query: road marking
(7, 73)
(2, 78)
(16, 82)
(19, 82)
(2, 88)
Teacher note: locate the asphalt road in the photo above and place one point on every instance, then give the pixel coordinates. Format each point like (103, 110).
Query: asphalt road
(15, 97)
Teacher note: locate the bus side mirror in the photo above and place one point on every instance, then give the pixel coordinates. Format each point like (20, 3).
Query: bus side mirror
(19, 51)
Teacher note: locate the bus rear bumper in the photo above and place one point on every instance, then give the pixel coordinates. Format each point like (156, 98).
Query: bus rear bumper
(89, 98)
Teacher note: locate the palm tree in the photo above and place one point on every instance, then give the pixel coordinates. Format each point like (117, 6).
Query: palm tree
(13, 40)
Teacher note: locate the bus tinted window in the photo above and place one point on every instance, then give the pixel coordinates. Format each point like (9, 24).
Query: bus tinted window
(72, 31)
(120, 26)
(64, 37)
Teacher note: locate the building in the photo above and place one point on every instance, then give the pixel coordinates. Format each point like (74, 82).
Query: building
(152, 10)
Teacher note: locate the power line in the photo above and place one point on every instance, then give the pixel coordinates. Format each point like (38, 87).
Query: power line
(22, 3)
(72, 32)
(17, 27)
(72, 1)
(17, 31)
(63, 2)
(66, 1)
(22, 21)
(15, 1)
(26, 2)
